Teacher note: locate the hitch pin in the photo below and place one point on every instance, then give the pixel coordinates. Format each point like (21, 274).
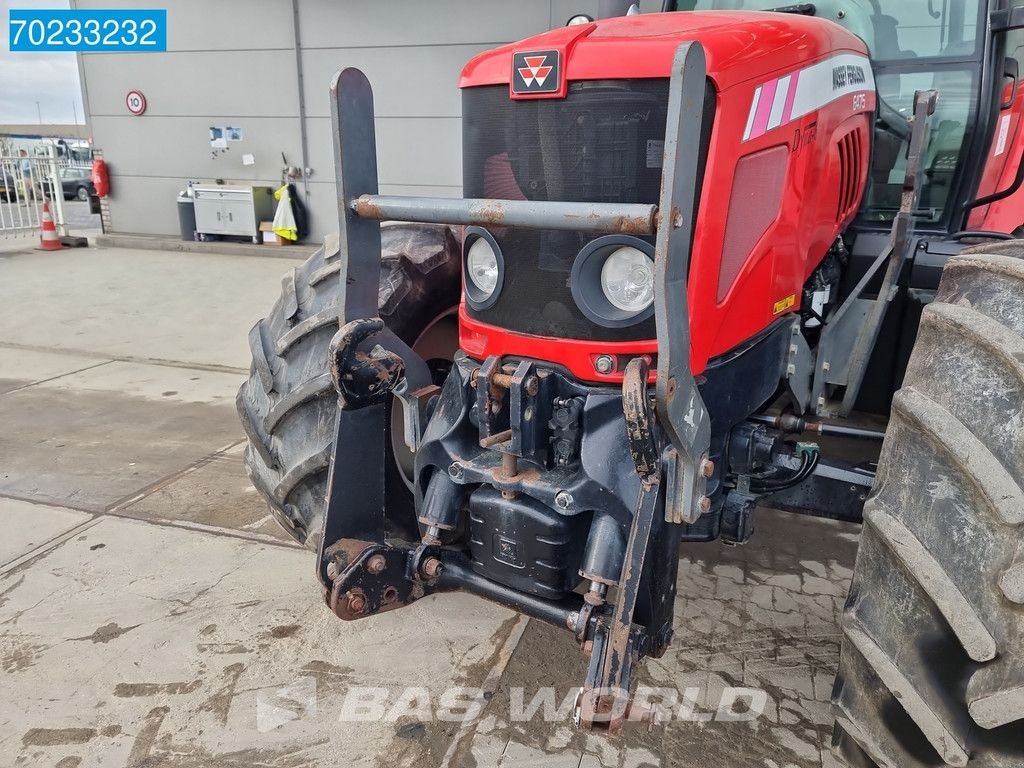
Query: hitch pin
(496, 439)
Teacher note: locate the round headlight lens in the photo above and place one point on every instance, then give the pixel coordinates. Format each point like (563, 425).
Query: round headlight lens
(627, 280)
(482, 267)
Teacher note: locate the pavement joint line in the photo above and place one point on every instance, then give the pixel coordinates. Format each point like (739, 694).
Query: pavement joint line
(98, 515)
(48, 502)
(47, 546)
(136, 496)
(54, 378)
(212, 530)
(212, 368)
(490, 683)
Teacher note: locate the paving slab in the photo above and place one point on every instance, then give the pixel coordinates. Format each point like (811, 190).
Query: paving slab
(22, 367)
(27, 526)
(89, 439)
(127, 303)
(762, 617)
(142, 645)
(217, 492)
(157, 383)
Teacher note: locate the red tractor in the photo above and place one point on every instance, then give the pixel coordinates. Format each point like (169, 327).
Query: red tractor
(688, 238)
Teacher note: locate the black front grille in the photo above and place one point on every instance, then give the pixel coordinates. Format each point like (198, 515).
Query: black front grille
(601, 144)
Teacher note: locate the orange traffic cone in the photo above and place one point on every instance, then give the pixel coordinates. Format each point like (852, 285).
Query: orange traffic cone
(48, 240)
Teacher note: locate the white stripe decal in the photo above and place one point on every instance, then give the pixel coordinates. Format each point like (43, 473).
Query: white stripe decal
(816, 86)
(775, 118)
(753, 111)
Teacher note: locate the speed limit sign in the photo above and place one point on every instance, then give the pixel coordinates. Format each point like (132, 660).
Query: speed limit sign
(136, 102)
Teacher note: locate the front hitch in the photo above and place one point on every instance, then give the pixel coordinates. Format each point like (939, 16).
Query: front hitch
(362, 573)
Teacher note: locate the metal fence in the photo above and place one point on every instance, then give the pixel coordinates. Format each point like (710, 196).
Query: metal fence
(25, 182)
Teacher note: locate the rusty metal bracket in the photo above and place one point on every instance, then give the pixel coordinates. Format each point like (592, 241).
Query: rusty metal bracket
(369, 578)
(362, 378)
(605, 700)
(680, 408)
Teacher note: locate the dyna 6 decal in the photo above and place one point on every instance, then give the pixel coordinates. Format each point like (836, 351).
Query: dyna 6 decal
(792, 96)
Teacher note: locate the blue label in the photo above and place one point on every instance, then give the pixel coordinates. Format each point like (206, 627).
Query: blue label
(102, 31)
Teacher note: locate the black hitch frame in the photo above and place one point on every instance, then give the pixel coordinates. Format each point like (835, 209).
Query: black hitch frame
(668, 435)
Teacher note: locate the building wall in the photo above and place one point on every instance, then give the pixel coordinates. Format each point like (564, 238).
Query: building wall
(233, 62)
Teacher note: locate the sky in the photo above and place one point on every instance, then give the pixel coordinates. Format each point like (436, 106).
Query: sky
(25, 78)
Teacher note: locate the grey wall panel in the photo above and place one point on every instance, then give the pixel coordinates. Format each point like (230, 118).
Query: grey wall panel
(414, 151)
(334, 24)
(233, 83)
(217, 25)
(180, 147)
(145, 204)
(563, 10)
(420, 81)
(231, 62)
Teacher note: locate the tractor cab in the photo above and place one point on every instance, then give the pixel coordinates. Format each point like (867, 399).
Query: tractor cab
(923, 45)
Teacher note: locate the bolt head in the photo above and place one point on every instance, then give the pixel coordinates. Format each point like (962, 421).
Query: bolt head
(707, 467)
(432, 567)
(455, 471)
(356, 603)
(704, 505)
(376, 564)
(564, 500)
(605, 364)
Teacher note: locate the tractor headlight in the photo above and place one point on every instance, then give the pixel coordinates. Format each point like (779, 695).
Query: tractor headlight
(627, 279)
(612, 280)
(484, 268)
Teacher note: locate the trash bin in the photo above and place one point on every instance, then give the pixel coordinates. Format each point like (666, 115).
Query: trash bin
(187, 216)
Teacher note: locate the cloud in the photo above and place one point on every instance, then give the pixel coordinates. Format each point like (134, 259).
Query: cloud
(49, 78)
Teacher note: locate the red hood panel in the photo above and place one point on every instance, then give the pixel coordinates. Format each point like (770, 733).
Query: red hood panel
(739, 45)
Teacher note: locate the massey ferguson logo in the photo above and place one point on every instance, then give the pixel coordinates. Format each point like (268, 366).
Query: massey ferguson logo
(535, 72)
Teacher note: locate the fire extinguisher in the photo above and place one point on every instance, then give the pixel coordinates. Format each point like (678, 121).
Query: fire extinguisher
(100, 178)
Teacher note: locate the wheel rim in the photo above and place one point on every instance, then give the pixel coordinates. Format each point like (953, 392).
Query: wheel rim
(436, 345)
(83, 194)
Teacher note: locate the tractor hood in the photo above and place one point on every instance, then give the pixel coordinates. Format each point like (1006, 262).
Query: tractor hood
(739, 45)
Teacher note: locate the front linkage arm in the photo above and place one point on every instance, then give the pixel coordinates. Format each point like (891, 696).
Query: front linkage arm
(364, 574)
(673, 440)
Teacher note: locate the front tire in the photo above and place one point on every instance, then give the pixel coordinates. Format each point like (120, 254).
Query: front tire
(288, 404)
(932, 665)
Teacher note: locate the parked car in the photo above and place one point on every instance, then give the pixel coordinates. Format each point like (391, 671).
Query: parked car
(75, 182)
(8, 188)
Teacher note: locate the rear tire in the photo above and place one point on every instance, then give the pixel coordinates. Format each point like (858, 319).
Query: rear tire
(288, 404)
(932, 665)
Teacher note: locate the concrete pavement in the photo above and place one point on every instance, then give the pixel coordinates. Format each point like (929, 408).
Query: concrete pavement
(151, 614)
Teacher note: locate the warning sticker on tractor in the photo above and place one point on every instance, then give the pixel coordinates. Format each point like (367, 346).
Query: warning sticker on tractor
(655, 153)
(783, 304)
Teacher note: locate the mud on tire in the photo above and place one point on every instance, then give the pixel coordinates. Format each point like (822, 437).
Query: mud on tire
(931, 671)
(287, 405)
